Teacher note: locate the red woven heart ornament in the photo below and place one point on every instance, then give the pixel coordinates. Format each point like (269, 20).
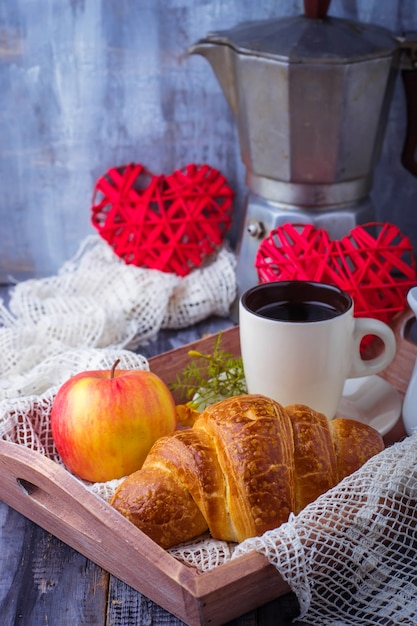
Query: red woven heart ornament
(375, 263)
(170, 223)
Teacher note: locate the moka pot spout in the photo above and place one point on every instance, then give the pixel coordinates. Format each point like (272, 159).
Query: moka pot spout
(222, 60)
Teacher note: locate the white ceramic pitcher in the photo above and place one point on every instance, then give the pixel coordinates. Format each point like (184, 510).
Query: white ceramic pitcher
(410, 400)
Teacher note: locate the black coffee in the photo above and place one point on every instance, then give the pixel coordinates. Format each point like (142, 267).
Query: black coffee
(298, 311)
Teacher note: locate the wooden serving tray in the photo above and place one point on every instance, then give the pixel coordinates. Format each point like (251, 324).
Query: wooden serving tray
(54, 499)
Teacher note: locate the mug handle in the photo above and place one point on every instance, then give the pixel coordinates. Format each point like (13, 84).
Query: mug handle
(369, 326)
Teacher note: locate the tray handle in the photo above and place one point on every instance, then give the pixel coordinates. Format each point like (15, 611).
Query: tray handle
(57, 507)
(50, 496)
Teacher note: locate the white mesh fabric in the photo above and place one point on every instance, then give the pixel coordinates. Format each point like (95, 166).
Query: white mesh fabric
(350, 556)
(129, 303)
(98, 302)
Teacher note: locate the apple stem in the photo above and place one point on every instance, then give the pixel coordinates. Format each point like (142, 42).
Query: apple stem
(115, 364)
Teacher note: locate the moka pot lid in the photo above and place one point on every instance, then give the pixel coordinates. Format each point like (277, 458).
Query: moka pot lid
(301, 39)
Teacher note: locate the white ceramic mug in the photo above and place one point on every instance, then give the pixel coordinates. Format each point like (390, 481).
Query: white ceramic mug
(300, 342)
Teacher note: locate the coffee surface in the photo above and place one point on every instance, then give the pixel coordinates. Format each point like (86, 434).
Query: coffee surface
(298, 311)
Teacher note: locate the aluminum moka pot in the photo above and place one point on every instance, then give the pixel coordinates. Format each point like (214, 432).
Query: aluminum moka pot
(311, 97)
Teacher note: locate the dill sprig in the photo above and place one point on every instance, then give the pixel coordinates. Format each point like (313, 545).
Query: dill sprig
(209, 378)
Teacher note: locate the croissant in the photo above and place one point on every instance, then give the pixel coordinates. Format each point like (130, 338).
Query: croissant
(243, 467)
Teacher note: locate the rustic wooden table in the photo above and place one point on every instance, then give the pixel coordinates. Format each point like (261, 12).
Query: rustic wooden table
(45, 582)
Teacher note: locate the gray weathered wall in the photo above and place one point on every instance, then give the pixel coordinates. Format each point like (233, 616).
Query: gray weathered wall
(90, 84)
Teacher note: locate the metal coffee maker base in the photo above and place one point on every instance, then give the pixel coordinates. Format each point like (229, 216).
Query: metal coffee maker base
(263, 215)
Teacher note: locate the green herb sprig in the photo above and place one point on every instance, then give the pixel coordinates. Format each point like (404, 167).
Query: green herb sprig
(209, 378)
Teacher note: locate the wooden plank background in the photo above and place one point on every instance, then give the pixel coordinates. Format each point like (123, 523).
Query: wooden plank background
(87, 85)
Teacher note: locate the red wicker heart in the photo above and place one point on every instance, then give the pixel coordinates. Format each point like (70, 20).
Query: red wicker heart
(170, 223)
(375, 263)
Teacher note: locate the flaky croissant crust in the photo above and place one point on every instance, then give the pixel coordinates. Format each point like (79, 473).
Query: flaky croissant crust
(243, 467)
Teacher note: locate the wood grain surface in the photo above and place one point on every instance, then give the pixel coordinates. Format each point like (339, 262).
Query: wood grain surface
(86, 86)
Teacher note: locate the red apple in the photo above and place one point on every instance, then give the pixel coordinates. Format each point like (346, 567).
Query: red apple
(104, 422)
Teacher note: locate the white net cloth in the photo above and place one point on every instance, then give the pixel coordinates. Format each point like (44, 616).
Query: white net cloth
(350, 557)
(99, 303)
